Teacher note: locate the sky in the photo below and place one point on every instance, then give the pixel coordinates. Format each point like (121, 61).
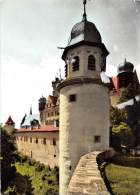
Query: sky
(31, 32)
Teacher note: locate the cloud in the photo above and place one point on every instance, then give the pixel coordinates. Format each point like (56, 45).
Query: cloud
(115, 48)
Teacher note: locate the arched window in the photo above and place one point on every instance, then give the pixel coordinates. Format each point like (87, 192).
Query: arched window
(91, 63)
(75, 63)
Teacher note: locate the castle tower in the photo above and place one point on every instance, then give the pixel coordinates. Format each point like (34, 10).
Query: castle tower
(54, 85)
(84, 100)
(41, 106)
(9, 125)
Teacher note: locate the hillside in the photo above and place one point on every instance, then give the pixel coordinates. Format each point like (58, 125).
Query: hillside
(123, 180)
(43, 179)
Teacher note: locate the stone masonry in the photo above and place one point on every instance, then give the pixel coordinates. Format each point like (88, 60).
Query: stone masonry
(86, 179)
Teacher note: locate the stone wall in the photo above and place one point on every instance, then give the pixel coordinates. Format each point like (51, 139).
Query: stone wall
(41, 146)
(86, 179)
(81, 122)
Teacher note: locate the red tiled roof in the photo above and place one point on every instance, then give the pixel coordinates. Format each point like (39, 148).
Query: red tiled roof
(47, 128)
(115, 81)
(9, 121)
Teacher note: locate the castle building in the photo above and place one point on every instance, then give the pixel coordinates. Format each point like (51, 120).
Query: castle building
(74, 120)
(37, 139)
(125, 77)
(49, 108)
(84, 99)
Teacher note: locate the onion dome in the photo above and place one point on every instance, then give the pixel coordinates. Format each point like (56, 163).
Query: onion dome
(126, 67)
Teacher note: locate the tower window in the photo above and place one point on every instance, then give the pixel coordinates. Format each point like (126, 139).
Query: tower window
(72, 98)
(75, 63)
(97, 138)
(66, 70)
(91, 63)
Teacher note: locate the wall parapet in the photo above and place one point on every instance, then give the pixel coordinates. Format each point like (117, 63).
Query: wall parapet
(86, 179)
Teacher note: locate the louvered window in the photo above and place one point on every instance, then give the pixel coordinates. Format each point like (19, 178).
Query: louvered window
(91, 63)
(75, 63)
(66, 70)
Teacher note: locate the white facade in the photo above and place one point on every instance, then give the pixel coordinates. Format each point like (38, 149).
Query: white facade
(83, 52)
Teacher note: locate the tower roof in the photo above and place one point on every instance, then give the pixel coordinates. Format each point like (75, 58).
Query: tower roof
(9, 121)
(84, 31)
(126, 66)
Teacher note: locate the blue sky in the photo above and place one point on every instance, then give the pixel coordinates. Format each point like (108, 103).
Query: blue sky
(31, 31)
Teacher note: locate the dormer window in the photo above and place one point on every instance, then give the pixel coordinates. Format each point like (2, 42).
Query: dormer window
(91, 63)
(75, 63)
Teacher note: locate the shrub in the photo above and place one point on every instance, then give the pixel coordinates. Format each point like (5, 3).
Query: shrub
(119, 159)
(32, 162)
(24, 158)
(39, 166)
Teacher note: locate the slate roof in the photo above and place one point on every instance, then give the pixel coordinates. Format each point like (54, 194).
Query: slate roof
(29, 118)
(84, 31)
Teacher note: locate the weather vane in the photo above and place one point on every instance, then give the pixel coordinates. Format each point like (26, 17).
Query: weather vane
(84, 15)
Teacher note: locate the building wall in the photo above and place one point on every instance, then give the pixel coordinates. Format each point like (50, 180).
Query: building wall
(80, 122)
(45, 153)
(83, 52)
(49, 114)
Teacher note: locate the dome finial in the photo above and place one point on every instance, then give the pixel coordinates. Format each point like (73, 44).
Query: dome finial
(84, 15)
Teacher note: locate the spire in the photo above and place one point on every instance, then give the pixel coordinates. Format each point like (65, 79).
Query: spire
(30, 109)
(125, 61)
(84, 15)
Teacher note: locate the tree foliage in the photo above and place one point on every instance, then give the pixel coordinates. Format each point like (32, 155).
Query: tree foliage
(8, 151)
(123, 132)
(20, 185)
(127, 93)
(126, 122)
(117, 116)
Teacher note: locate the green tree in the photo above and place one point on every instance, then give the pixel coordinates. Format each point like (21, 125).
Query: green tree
(8, 151)
(20, 185)
(118, 115)
(123, 133)
(133, 120)
(128, 93)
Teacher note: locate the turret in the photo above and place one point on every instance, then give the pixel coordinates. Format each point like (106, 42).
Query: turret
(42, 103)
(54, 85)
(84, 100)
(10, 125)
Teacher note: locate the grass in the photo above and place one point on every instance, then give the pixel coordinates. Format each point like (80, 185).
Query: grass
(123, 180)
(43, 181)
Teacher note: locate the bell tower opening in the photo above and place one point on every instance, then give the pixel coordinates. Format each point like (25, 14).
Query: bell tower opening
(91, 63)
